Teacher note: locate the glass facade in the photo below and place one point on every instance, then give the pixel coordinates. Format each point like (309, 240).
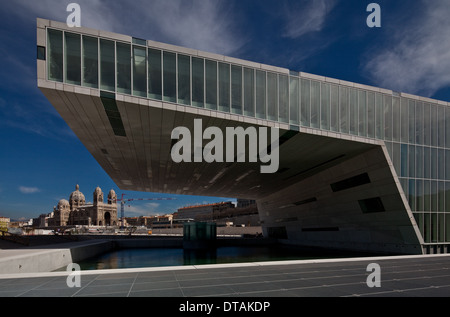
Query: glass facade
(416, 131)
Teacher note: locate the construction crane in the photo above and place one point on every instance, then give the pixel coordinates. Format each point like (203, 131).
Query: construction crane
(124, 201)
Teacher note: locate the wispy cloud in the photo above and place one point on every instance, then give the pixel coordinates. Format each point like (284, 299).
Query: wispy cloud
(417, 58)
(305, 17)
(29, 190)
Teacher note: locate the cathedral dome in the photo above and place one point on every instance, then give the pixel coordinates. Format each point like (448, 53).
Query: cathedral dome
(63, 204)
(77, 197)
(98, 191)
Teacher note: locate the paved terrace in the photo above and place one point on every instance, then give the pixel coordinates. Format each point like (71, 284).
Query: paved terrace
(404, 276)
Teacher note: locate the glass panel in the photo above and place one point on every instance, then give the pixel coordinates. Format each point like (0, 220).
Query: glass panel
(426, 195)
(123, 68)
(305, 105)
(419, 195)
(412, 161)
(236, 89)
(294, 102)
(412, 121)
(426, 124)
(139, 71)
(325, 107)
(447, 164)
(315, 104)
(419, 161)
(434, 163)
(362, 105)
(404, 160)
(55, 55)
(447, 228)
(404, 118)
(90, 62)
(447, 128)
(441, 164)
(224, 87)
(434, 227)
(334, 108)
(211, 84)
(154, 74)
(396, 119)
(412, 194)
(419, 123)
(434, 196)
(441, 196)
(184, 79)
(343, 109)
(107, 65)
(371, 114)
(272, 96)
(73, 58)
(283, 98)
(170, 77)
(441, 127)
(396, 157)
(379, 122)
(260, 94)
(354, 118)
(426, 162)
(441, 227)
(433, 125)
(447, 199)
(388, 118)
(249, 92)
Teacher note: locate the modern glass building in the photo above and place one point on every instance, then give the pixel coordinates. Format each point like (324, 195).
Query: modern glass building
(361, 168)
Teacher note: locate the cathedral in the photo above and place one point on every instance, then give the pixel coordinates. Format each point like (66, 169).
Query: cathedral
(76, 212)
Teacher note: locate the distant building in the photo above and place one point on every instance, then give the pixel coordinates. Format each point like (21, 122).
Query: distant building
(75, 211)
(194, 211)
(242, 203)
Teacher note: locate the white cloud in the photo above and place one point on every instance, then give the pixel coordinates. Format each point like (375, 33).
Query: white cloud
(29, 190)
(417, 59)
(308, 17)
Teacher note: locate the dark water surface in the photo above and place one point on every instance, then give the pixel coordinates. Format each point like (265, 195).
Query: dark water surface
(158, 257)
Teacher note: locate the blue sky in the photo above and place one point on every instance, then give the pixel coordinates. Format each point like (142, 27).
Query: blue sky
(41, 160)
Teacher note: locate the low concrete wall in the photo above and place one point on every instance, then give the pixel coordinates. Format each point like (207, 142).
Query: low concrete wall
(50, 258)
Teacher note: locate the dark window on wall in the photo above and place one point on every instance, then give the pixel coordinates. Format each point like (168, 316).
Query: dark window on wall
(351, 182)
(107, 65)
(170, 77)
(55, 55)
(73, 58)
(371, 205)
(41, 53)
(90, 62)
(154, 74)
(124, 68)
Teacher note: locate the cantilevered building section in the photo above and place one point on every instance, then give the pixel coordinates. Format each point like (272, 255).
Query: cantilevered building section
(361, 168)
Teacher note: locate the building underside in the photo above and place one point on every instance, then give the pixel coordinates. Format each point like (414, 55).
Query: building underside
(332, 189)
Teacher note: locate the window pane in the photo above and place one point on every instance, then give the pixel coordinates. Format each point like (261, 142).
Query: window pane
(224, 87)
(198, 82)
(343, 109)
(325, 107)
(249, 92)
(426, 195)
(433, 125)
(441, 164)
(419, 195)
(447, 200)
(426, 162)
(412, 194)
(315, 104)
(412, 121)
(426, 124)
(419, 161)
(283, 101)
(434, 195)
(55, 55)
(419, 123)
(184, 79)
(272, 96)
(371, 114)
(447, 129)
(334, 108)
(73, 58)
(154, 74)
(362, 108)
(396, 119)
(441, 126)
(107, 65)
(379, 122)
(412, 161)
(294, 105)
(305, 110)
(388, 118)
(123, 68)
(139, 71)
(90, 62)
(404, 160)
(441, 196)
(447, 165)
(354, 118)
(396, 157)
(211, 84)
(236, 89)
(434, 163)
(170, 77)
(260, 94)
